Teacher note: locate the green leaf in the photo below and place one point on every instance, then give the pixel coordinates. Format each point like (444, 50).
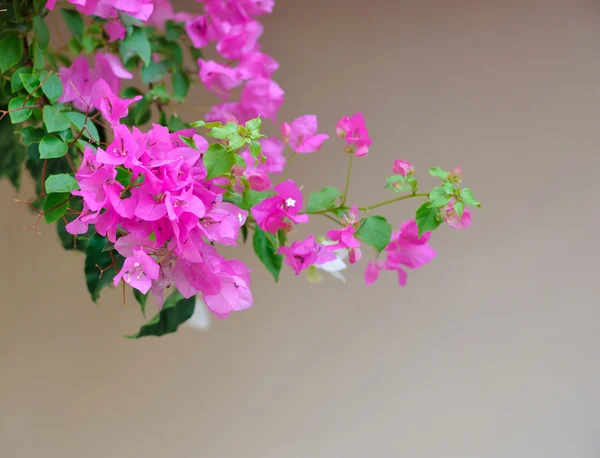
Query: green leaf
(42, 34)
(189, 141)
(217, 160)
(38, 5)
(265, 248)
(208, 125)
(459, 207)
(17, 113)
(281, 237)
(15, 82)
(54, 119)
(174, 30)
(39, 61)
(236, 141)
(254, 124)
(438, 197)
(12, 153)
(74, 23)
(428, 218)
(449, 188)
(175, 311)
(52, 147)
(52, 86)
(176, 123)
(322, 200)
(244, 230)
(96, 259)
(255, 149)
(468, 198)
(142, 299)
(253, 198)
(32, 134)
(55, 206)
(154, 72)
(223, 132)
(438, 172)
(62, 182)
(123, 176)
(30, 82)
(78, 121)
(375, 231)
(181, 84)
(12, 52)
(136, 44)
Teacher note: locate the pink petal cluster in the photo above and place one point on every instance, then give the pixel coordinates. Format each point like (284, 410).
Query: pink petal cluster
(353, 130)
(302, 135)
(454, 221)
(79, 78)
(164, 221)
(107, 9)
(406, 250)
(301, 255)
(344, 238)
(274, 212)
(403, 168)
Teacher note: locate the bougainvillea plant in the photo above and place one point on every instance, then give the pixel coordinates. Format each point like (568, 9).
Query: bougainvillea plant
(149, 203)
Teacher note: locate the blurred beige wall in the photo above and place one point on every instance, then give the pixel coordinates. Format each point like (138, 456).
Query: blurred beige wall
(491, 351)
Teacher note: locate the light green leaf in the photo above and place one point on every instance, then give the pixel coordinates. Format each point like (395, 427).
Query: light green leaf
(30, 82)
(189, 141)
(175, 311)
(254, 124)
(236, 141)
(255, 149)
(11, 52)
(265, 247)
(61, 182)
(54, 119)
(15, 81)
(78, 121)
(208, 125)
(438, 172)
(459, 207)
(52, 147)
(375, 231)
(17, 112)
(428, 218)
(438, 197)
(55, 206)
(468, 198)
(223, 132)
(218, 160)
(154, 72)
(322, 200)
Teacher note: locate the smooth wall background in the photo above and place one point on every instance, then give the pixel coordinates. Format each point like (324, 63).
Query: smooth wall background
(491, 351)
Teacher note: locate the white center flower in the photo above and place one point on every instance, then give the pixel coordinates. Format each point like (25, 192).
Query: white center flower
(289, 202)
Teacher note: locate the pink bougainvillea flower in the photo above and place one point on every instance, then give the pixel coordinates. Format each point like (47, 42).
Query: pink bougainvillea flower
(302, 135)
(115, 30)
(405, 250)
(238, 40)
(138, 271)
(50, 4)
(257, 64)
(218, 78)
(200, 31)
(262, 97)
(353, 130)
(234, 294)
(403, 168)
(455, 221)
(286, 203)
(112, 107)
(301, 255)
(238, 11)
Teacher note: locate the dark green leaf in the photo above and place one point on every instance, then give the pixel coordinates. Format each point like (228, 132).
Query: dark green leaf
(189, 141)
(136, 44)
(32, 134)
(265, 247)
(375, 231)
(74, 23)
(123, 176)
(12, 153)
(78, 121)
(17, 112)
(142, 299)
(52, 87)
(181, 84)
(11, 52)
(468, 198)
(253, 198)
(42, 34)
(30, 82)
(38, 5)
(62, 182)
(281, 237)
(428, 218)
(52, 147)
(15, 81)
(217, 160)
(54, 119)
(55, 206)
(175, 311)
(154, 72)
(175, 123)
(39, 61)
(96, 259)
(322, 200)
(174, 30)
(244, 230)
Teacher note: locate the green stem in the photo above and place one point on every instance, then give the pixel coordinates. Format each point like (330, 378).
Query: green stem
(385, 202)
(289, 164)
(329, 217)
(347, 181)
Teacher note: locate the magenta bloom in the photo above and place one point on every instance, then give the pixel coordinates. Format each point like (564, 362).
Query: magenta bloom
(403, 168)
(218, 78)
(115, 30)
(406, 249)
(262, 97)
(199, 31)
(234, 294)
(353, 130)
(112, 107)
(455, 221)
(301, 255)
(257, 64)
(138, 271)
(238, 40)
(286, 203)
(302, 135)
